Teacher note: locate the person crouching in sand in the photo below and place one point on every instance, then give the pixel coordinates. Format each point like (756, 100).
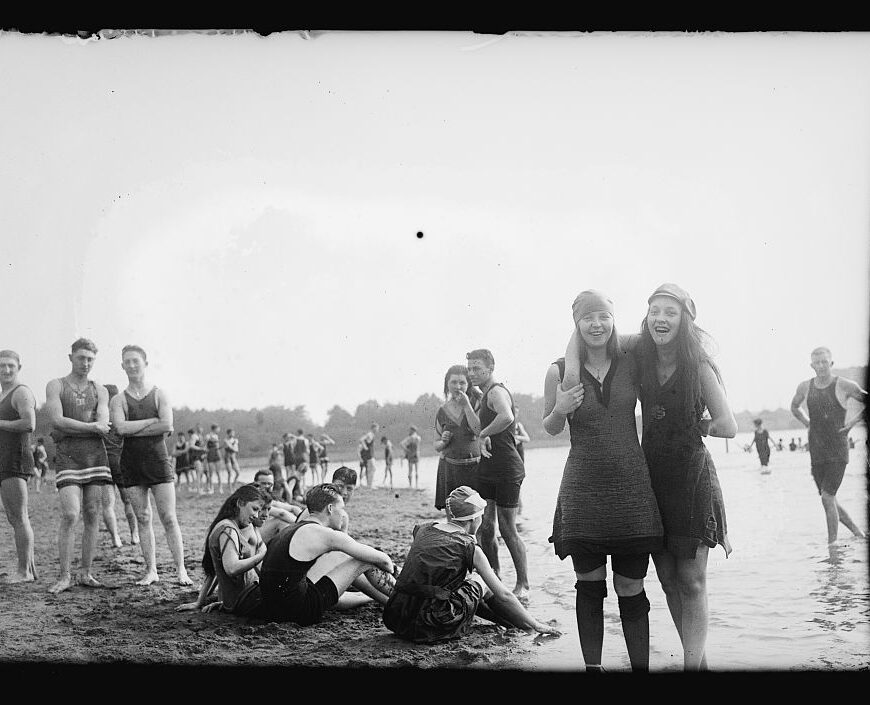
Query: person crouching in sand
(308, 566)
(447, 580)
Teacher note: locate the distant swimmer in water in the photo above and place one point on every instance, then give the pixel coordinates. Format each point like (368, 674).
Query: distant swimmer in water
(826, 398)
(763, 443)
(411, 445)
(366, 452)
(142, 414)
(446, 580)
(792, 445)
(78, 411)
(606, 505)
(17, 421)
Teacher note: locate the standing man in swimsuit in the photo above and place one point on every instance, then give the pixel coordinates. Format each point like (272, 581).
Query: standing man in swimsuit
(78, 410)
(366, 450)
(826, 397)
(17, 421)
(300, 461)
(501, 471)
(143, 416)
(231, 459)
(411, 445)
(323, 456)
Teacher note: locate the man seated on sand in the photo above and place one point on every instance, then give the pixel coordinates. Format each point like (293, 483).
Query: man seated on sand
(344, 478)
(309, 566)
(265, 480)
(447, 580)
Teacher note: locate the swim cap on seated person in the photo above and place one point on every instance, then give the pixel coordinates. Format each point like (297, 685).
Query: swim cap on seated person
(464, 504)
(589, 301)
(678, 293)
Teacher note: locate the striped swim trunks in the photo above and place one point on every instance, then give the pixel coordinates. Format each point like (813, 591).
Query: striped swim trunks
(82, 461)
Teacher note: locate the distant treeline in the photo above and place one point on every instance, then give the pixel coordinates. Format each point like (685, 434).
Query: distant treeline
(257, 429)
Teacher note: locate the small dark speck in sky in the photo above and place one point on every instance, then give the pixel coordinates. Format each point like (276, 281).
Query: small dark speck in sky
(419, 234)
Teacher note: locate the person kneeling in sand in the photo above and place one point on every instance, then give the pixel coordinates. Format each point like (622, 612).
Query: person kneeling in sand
(309, 565)
(447, 580)
(230, 560)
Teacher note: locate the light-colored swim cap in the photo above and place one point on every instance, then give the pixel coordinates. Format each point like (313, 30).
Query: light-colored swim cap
(464, 504)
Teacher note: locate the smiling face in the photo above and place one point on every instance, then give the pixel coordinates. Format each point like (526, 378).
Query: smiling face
(8, 370)
(663, 319)
(249, 511)
(133, 365)
(595, 328)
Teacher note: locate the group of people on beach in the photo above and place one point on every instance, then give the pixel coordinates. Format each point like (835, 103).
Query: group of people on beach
(286, 554)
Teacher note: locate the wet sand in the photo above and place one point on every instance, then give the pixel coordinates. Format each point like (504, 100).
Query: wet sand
(123, 623)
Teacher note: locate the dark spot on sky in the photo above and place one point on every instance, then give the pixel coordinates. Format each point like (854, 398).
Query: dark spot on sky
(419, 234)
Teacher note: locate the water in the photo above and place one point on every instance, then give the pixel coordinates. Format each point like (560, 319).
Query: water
(781, 601)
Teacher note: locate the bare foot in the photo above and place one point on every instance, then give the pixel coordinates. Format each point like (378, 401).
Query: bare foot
(150, 577)
(134, 541)
(63, 583)
(522, 594)
(183, 578)
(88, 580)
(19, 578)
(116, 542)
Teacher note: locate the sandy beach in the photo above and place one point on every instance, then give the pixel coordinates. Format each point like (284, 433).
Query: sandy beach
(123, 623)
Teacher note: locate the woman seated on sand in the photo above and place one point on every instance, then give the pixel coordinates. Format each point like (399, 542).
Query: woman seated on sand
(437, 595)
(229, 559)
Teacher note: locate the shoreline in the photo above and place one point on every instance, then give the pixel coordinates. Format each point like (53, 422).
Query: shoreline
(126, 624)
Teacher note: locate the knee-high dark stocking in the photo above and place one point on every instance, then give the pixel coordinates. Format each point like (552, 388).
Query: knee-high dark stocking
(590, 618)
(634, 614)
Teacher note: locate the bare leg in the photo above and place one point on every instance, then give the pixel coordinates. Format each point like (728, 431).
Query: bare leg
(669, 577)
(13, 492)
(832, 515)
(343, 571)
(92, 496)
(142, 506)
(235, 464)
(164, 498)
(214, 468)
(70, 508)
(131, 516)
(846, 521)
(486, 535)
(692, 578)
(109, 518)
(507, 524)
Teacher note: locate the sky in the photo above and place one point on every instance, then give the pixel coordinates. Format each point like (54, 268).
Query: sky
(247, 208)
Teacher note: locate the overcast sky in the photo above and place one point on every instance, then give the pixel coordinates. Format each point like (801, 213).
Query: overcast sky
(246, 208)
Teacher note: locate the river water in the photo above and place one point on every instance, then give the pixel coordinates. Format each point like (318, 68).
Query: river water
(782, 601)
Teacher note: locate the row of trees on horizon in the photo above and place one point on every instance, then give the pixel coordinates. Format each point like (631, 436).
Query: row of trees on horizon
(258, 429)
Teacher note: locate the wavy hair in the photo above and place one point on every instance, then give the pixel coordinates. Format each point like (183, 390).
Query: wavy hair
(474, 394)
(229, 510)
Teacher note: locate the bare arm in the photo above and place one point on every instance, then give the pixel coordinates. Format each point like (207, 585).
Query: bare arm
(67, 426)
(572, 361)
(231, 554)
(799, 396)
(509, 606)
(504, 415)
(558, 403)
(441, 440)
(333, 540)
(853, 391)
(24, 403)
(521, 434)
(722, 423)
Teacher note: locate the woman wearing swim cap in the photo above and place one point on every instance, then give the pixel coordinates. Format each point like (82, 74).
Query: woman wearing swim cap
(606, 504)
(679, 381)
(446, 580)
(456, 429)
